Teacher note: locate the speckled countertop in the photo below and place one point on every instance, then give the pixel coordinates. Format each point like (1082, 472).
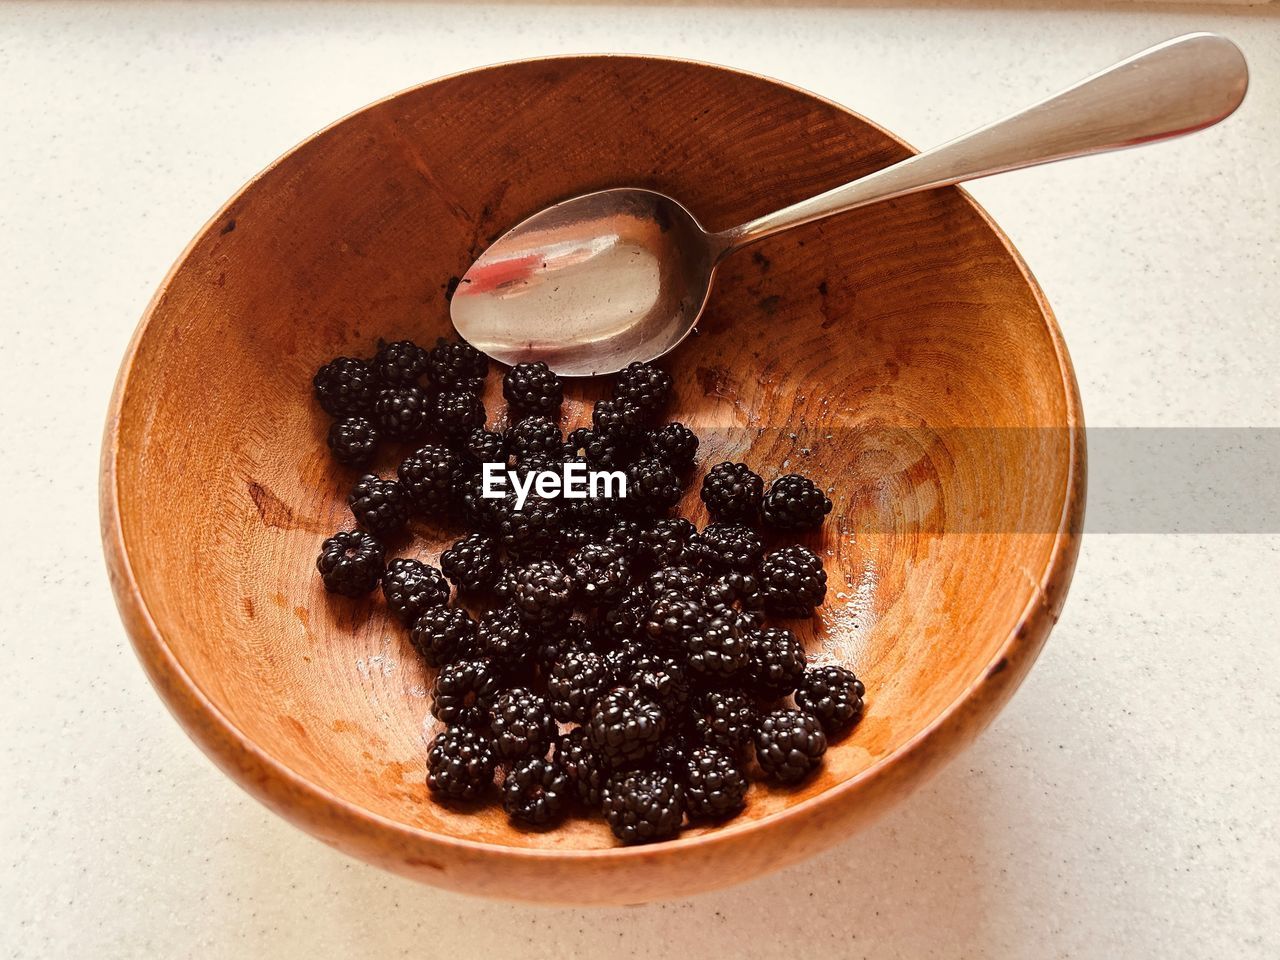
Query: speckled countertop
(1124, 805)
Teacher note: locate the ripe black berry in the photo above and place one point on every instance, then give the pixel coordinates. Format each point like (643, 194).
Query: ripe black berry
(717, 650)
(793, 582)
(673, 442)
(715, 787)
(625, 620)
(531, 531)
(399, 364)
(522, 724)
(535, 437)
(432, 475)
(456, 365)
(353, 440)
(585, 769)
(601, 574)
(350, 563)
(726, 546)
(460, 764)
(599, 451)
(411, 587)
(833, 695)
(543, 593)
(443, 634)
(625, 727)
(776, 661)
(380, 506)
(627, 536)
(503, 636)
(458, 413)
(402, 413)
(643, 806)
(345, 387)
(681, 580)
(533, 388)
(663, 541)
(486, 446)
(662, 679)
(789, 745)
(536, 791)
(646, 385)
(732, 491)
(673, 619)
(741, 591)
(725, 719)
(465, 691)
(652, 487)
(577, 679)
(472, 563)
(795, 503)
(620, 421)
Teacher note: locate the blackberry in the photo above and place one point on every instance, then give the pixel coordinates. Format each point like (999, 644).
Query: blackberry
(456, 365)
(586, 771)
(486, 446)
(715, 788)
(625, 620)
(601, 574)
(465, 691)
(789, 745)
(380, 506)
(672, 757)
(504, 590)
(734, 589)
(725, 719)
(620, 421)
(591, 515)
(543, 593)
(643, 806)
(577, 679)
(598, 451)
(717, 650)
(625, 727)
(533, 437)
(432, 475)
(411, 587)
(732, 491)
(652, 487)
(458, 413)
(673, 619)
(350, 563)
(833, 695)
(776, 661)
(472, 563)
(726, 546)
(551, 641)
(443, 634)
(477, 511)
(531, 531)
(503, 636)
(522, 724)
(353, 441)
(793, 582)
(460, 764)
(646, 385)
(680, 580)
(795, 503)
(673, 443)
(625, 654)
(662, 679)
(536, 792)
(533, 388)
(345, 387)
(663, 542)
(399, 364)
(627, 536)
(402, 413)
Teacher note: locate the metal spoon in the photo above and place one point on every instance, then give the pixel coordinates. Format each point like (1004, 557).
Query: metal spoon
(596, 282)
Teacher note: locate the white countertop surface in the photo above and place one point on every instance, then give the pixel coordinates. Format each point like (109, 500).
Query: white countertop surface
(1124, 805)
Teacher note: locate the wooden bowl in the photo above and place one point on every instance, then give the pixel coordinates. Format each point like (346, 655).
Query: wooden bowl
(902, 355)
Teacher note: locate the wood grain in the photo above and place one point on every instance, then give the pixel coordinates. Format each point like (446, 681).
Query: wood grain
(949, 550)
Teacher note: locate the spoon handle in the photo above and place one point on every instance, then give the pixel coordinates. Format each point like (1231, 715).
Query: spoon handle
(1176, 87)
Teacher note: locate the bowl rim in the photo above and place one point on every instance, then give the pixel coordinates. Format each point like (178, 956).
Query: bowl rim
(232, 747)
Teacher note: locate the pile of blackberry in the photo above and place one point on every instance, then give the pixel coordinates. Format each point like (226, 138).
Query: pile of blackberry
(598, 656)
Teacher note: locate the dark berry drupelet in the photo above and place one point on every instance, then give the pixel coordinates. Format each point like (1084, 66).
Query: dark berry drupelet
(662, 679)
(402, 413)
(532, 388)
(465, 691)
(585, 769)
(789, 745)
(522, 724)
(620, 421)
(643, 806)
(625, 620)
(486, 446)
(628, 536)
(412, 587)
(625, 727)
(432, 474)
(537, 791)
(672, 619)
(793, 582)
(543, 593)
(443, 634)
(504, 637)
(715, 788)
(732, 491)
(776, 662)
(599, 451)
(457, 414)
(350, 563)
(577, 679)
(353, 441)
(646, 385)
(472, 563)
(725, 719)
(717, 650)
(535, 437)
(460, 764)
(531, 531)
(795, 503)
(601, 574)
(680, 580)
(380, 506)
(833, 695)
(652, 488)
(663, 541)
(399, 364)
(726, 546)
(346, 387)
(736, 590)
(456, 365)
(674, 443)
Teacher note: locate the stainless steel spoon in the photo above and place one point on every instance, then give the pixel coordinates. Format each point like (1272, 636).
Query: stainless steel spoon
(596, 282)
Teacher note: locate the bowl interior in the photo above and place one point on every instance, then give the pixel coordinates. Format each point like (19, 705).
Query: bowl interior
(886, 354)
